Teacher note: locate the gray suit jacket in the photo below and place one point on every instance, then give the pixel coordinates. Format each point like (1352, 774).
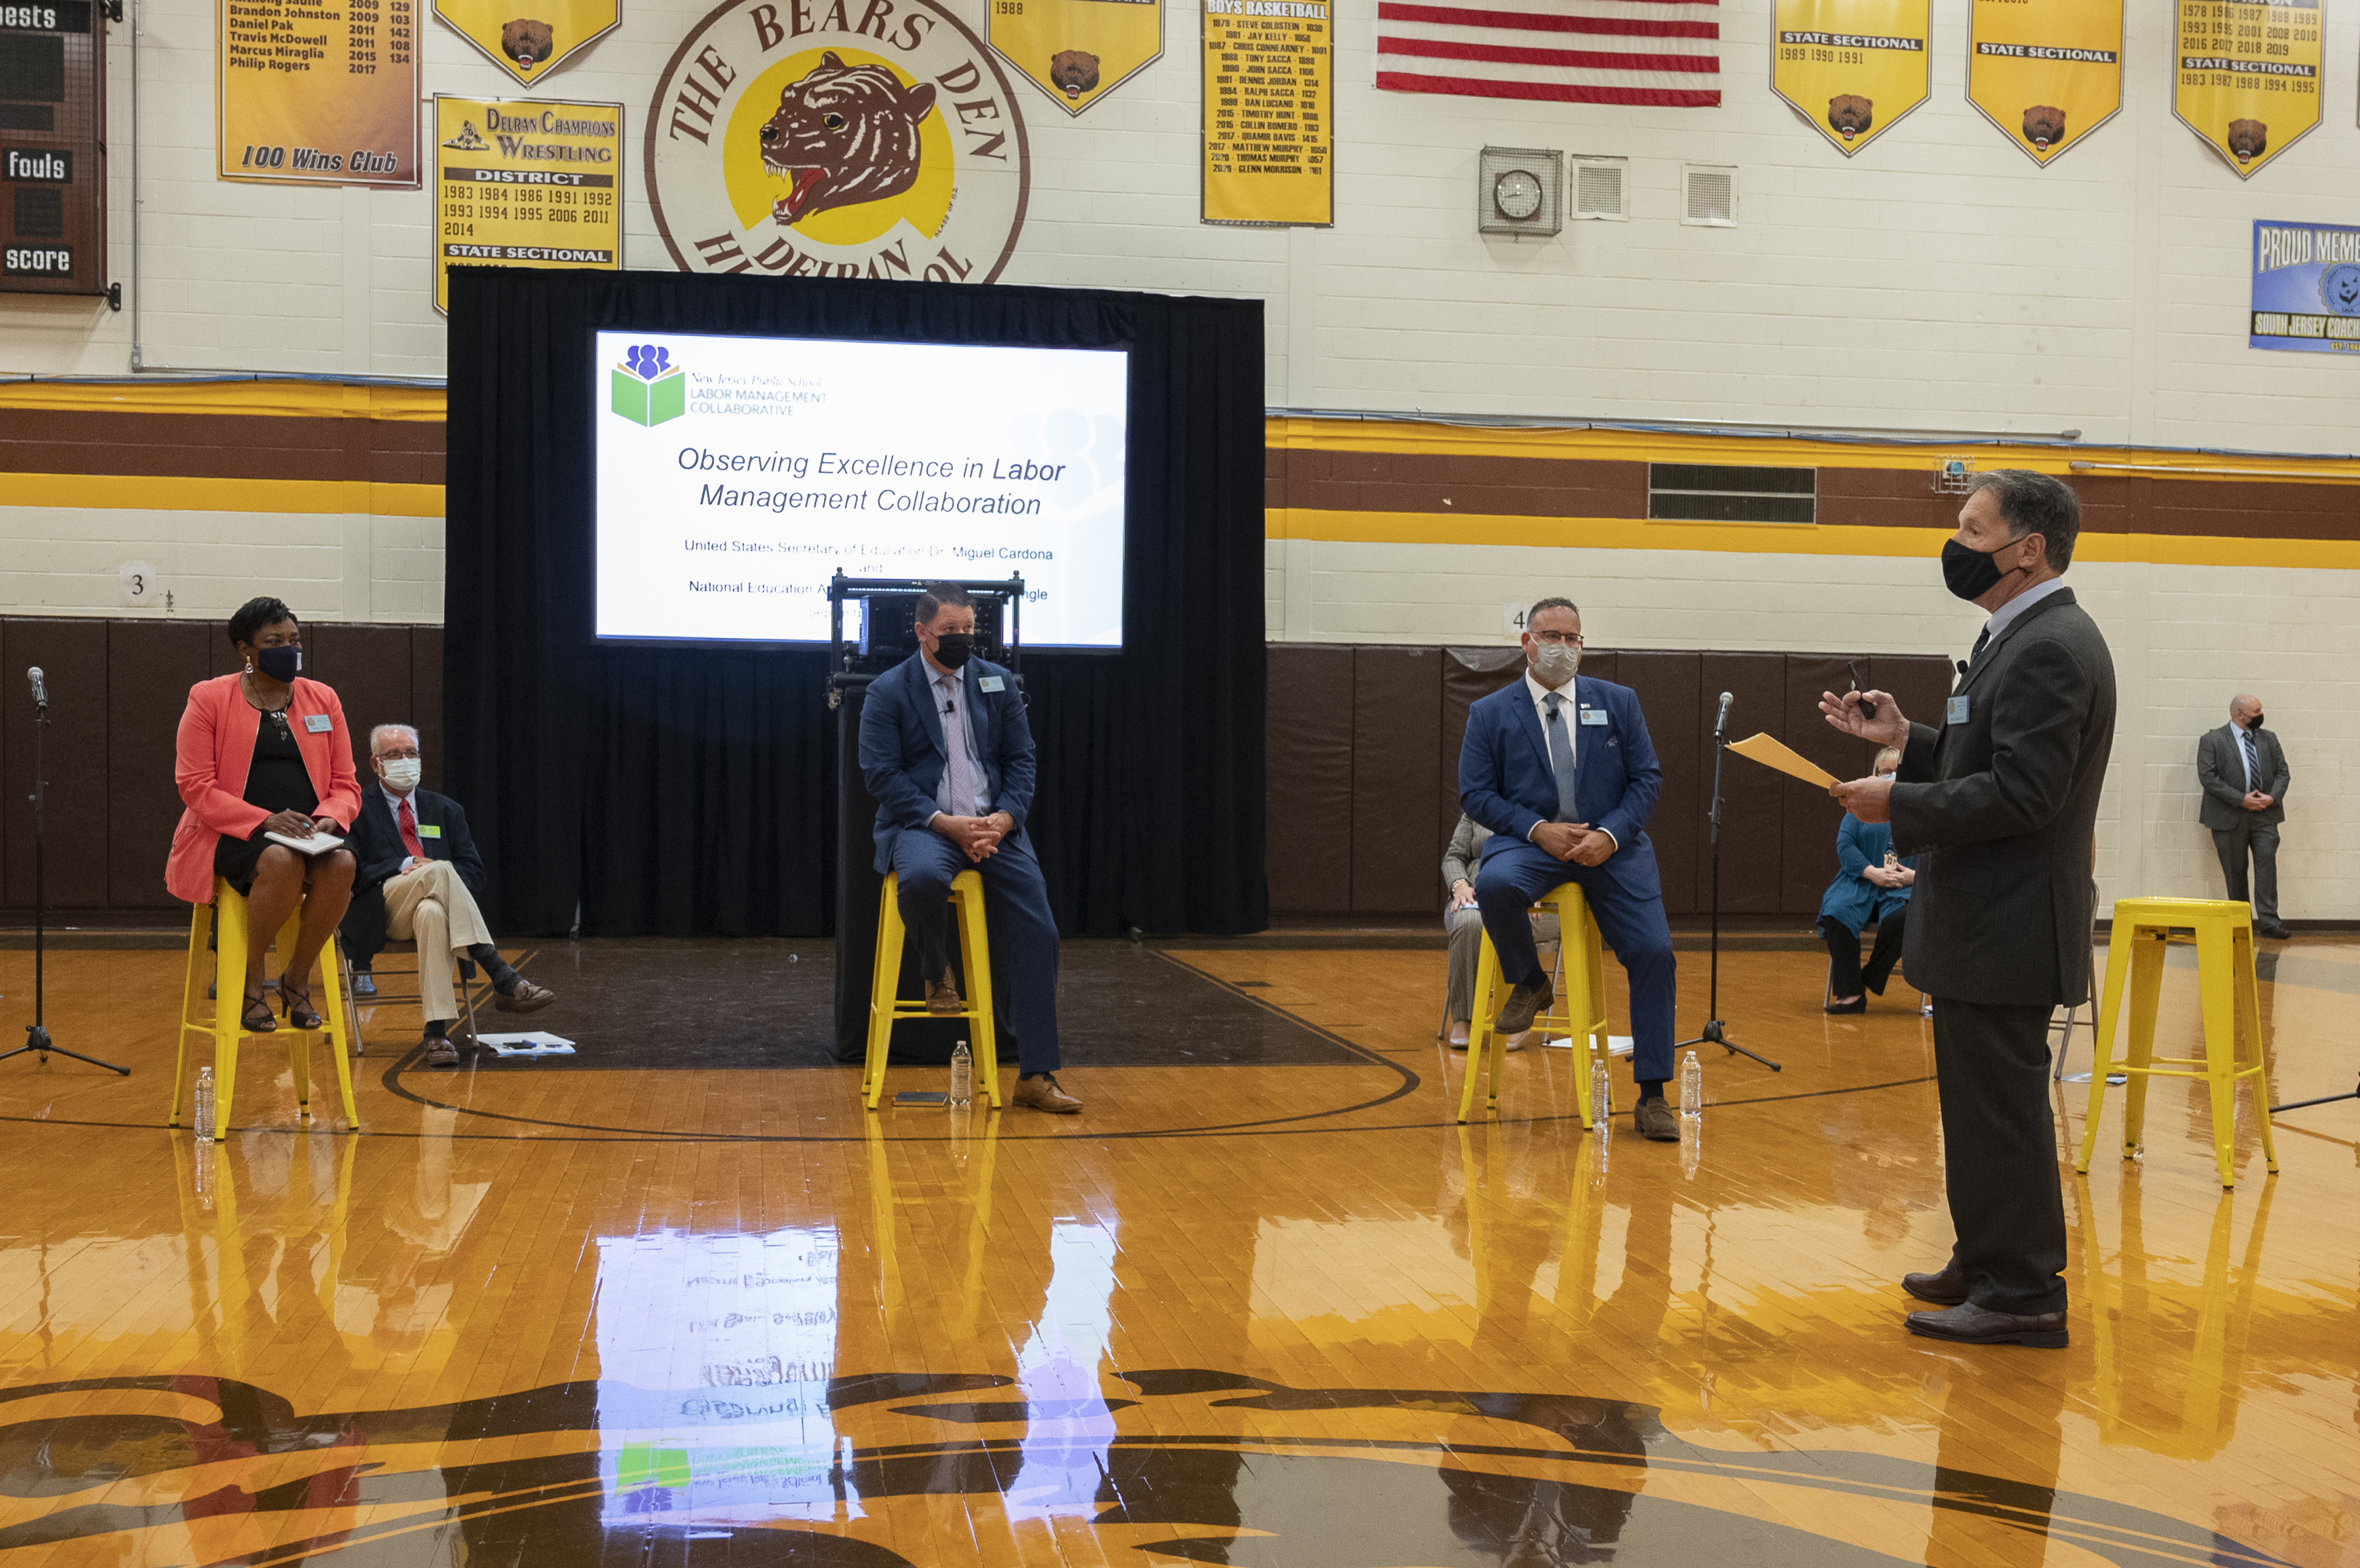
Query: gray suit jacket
(2004, 805)
(1465, 854)
(2222, 771)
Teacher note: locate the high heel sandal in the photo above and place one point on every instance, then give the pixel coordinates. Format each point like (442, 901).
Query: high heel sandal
(256, 1017)
(299, 1013)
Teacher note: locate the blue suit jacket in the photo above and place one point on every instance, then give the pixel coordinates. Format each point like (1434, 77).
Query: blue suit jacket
(1506, 782)
(902, 755)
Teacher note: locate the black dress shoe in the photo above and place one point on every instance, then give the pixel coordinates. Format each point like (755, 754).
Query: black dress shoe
(1946, 1289)
(2271, 929)
(1525, 1004)
(1857, 1005)
(1968, 1323)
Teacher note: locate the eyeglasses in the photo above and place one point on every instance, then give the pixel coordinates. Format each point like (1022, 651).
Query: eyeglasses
(1559, 639)
(409, 756)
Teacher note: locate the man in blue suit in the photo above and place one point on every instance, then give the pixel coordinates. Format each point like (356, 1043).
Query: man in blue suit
(1559, 767)
(946, 750)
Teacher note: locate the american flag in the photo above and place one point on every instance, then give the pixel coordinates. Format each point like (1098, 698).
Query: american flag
(1561, 51)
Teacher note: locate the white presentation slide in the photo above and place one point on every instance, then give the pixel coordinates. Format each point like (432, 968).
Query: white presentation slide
(737, 474)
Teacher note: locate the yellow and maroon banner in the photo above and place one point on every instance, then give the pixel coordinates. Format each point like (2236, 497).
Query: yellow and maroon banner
(2246, 76)
(1852, 67)
(1269, 112)
(2047, 73)
(317, 94)
(530, 48)
(530, 182)
(1076, 52)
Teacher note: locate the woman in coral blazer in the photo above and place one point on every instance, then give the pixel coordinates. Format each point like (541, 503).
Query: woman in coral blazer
(266, 751)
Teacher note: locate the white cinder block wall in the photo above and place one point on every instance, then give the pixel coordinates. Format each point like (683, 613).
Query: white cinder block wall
(1937, 280)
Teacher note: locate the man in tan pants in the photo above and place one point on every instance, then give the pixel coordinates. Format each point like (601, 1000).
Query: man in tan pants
(414, 849)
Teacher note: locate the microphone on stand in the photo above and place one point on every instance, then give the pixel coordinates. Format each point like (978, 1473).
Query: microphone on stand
(40, 687)
(1721, 720)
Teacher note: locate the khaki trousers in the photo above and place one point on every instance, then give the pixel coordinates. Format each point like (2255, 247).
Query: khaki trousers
(433, 908)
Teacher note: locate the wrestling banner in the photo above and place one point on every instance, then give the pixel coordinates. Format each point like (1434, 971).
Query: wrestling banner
(530, 48)
(1269, 90)
(2047, 73)
(317, 92)
(1852, 67)
(2245, 76)
(1076, 52)
(535, 182)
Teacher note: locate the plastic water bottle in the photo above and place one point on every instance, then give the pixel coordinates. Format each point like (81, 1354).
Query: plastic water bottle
(205, 1123)
(962, 1075)
(1601, 1088)
(1692, 1087)
(1691, 1146)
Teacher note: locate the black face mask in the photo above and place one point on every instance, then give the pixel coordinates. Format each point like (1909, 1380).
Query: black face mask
(282, 664)
(1969, 573)
(952, 649)
(2254, 724)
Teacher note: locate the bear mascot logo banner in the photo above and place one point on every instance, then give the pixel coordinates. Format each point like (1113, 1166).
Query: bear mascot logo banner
(847, 138)
(2245, 77)
(1076, 52)
(2046, 73)
(529, 47)
(1852, 68)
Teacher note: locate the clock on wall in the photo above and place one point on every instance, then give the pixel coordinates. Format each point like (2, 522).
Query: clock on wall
(1520, 190)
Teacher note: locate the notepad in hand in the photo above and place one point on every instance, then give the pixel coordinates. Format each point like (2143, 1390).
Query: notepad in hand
(318, 843)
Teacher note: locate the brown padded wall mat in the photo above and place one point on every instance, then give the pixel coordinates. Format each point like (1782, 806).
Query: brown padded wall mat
(72, 657)
(150, 665)
(1396, 790)
(1309, 779)
(1753, 799)
(1667, 685)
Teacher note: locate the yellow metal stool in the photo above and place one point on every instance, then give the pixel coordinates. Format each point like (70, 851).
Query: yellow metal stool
(1580, 1005)
(2230, 997)
(975, 960)
(227, 1028)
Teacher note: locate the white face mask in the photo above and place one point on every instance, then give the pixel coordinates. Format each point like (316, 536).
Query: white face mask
(402, 773)
(1555, 664)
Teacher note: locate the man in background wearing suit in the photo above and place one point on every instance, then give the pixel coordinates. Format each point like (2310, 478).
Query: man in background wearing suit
(2244, 771)
(2003, 802)
(946, 749)
(1560, 768)
(419, 880)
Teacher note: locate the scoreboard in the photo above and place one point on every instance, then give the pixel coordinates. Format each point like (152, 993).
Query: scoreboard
(52, 151)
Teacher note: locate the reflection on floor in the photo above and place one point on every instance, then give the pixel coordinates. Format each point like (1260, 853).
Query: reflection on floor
(1279, 1311)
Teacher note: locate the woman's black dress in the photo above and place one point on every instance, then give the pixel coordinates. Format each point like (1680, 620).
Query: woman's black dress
(275, 780)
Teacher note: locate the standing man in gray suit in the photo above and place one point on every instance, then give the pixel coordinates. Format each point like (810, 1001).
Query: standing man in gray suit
(2003, 800)
(2244, 771)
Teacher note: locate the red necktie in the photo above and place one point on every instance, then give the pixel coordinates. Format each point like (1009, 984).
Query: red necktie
(409, 833)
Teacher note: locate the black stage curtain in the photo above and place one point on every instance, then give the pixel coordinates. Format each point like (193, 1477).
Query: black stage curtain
(687, 792)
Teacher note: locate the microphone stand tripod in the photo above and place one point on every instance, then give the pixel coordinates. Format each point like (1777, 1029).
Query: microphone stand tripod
(1715, 1031)
(37, 1035)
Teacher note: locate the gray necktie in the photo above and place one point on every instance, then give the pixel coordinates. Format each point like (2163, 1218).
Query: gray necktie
(959, 778)
(2253, 764)
(1561, 758)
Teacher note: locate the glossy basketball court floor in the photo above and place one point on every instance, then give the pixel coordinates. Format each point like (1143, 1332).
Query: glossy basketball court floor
(1263, 1303)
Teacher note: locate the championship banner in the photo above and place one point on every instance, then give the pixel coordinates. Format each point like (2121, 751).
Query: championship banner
(1269, 112)
(537, 182)
(2306, 288)
(2245, 76)
(317, 92)
(1852, 67)
(2047, 72)
(530, 48)
(1076, 51)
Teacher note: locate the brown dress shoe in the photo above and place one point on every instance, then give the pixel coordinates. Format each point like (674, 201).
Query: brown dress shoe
(1043, 1095)
(1525, 1004)
(942, 997)
(1945, 1289)
(527, 998)
(1968, 1323)
(440, 1053)
(1656, 1121)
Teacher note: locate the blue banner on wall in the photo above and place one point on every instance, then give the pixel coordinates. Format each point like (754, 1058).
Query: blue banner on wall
(2306, 288)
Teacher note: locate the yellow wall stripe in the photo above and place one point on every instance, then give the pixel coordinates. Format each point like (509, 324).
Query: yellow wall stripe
(141, 493)
(1774, 538)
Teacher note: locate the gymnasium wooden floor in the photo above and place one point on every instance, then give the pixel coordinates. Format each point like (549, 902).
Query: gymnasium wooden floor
(1277, 1311)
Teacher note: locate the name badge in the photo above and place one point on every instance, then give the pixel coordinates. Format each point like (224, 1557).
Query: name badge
(430, 829)
(990, 683)
(317, 723)
(1593, 716)
(1956, 713)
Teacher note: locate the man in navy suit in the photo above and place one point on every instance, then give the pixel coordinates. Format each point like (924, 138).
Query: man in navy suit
(946, 750)
(1559, 767)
